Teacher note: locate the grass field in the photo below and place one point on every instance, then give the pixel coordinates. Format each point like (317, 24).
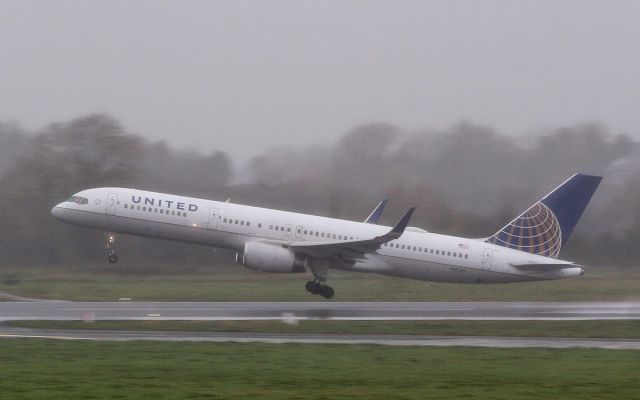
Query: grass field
(235, 283)
(559, 329)
(44, 369)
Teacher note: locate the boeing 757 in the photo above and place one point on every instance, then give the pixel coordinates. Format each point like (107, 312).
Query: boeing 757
(526, 249)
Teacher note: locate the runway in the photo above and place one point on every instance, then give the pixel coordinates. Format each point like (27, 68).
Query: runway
(385, 340)
(63, 310)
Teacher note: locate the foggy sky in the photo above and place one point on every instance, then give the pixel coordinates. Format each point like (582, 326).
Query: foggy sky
(244, 76)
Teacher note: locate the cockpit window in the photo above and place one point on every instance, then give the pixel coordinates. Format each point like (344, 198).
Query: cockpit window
(78, 200)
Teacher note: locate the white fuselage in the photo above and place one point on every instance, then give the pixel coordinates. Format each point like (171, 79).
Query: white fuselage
(416, 255)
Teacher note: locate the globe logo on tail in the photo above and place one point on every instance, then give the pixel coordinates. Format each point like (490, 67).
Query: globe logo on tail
(536, 231)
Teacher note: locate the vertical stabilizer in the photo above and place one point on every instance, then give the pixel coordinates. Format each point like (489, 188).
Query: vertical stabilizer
(546, 226)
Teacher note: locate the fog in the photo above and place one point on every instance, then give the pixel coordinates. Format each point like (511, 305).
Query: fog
(245, 76)
(466, 180)
(470, 110)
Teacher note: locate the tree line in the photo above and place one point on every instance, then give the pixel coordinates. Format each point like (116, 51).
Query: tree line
(467, 180)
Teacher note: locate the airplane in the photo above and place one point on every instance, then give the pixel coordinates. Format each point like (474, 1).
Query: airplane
(525, 249)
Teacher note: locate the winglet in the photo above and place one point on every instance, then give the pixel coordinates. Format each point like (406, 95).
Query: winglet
(375, 215)
(398, 230)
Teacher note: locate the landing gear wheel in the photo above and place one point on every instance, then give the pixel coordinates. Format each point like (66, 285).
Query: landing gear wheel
(326, 292)
(313, 287)
(110, 238)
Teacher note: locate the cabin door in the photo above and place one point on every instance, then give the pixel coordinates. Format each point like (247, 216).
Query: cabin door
(212, 223)
(288, 232)
(487, 259)
(112, 203)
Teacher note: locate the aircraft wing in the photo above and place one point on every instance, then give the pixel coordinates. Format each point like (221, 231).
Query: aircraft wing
(354, 249)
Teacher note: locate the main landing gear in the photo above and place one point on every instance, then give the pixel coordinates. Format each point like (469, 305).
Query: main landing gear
(110, 247)
(317, 287)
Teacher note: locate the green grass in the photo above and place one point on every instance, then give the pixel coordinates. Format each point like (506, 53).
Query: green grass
(224, 283)
(46, 369)
(625, 329)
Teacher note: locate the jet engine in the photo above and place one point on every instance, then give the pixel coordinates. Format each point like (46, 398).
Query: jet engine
(267, 257)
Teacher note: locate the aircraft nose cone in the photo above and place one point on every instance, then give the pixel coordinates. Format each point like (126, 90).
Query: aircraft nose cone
(56, 211)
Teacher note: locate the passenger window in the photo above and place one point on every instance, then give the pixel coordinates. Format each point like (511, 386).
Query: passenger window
(334, 235)
(466, 256)
(402, 247)
(448, 253)
(288, 229)
(144, 208)
(248, 223)
(438, 252)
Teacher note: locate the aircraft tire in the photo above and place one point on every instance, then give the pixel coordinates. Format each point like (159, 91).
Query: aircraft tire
(327, 292)
(113, 258)
(313, 287)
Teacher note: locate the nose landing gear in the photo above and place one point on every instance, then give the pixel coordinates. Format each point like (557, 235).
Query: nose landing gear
(110, 247)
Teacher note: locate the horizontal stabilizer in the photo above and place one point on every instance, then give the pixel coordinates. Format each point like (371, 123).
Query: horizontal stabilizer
(545, 267)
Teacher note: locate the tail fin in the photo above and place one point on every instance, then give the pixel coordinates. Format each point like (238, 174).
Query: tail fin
(546, 226)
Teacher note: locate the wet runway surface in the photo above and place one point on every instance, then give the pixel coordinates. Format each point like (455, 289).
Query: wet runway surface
(386, 340)
(292, 311)
(63, 310)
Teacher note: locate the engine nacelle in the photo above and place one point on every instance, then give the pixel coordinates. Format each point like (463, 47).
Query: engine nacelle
(266, 257)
